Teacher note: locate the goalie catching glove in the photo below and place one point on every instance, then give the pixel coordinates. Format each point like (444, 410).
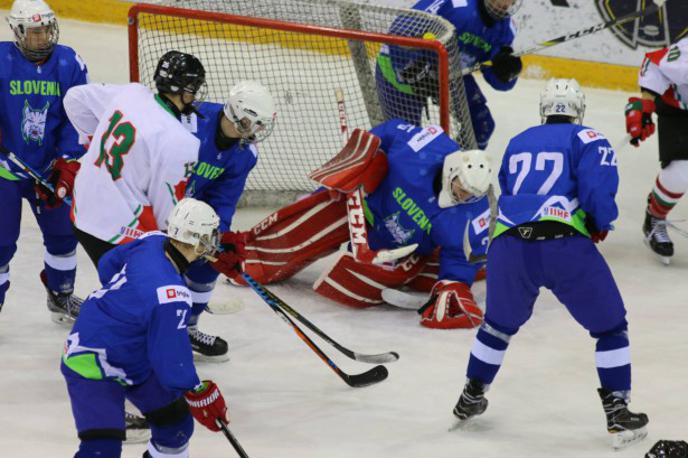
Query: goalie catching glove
(451, 306)
(207, 405)
(639, 119)
(229, 261)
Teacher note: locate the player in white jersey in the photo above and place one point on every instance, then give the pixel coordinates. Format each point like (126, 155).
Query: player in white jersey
(138, 160)
(663, 82)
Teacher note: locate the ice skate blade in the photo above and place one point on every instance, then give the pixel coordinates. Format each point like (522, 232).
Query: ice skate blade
(137, 436)
(201, 358)
(62, 319)
(625, 438)
(467, 424)
(666, 260)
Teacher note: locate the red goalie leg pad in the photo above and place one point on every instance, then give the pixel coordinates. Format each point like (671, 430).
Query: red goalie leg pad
(360, 285)
(427, 277)
(295, 236)
(452, 306)
(359, 163)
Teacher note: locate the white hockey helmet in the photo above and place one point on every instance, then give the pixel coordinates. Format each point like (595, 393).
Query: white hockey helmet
(562, 97)
(32, 14)
(195, 223)
(473, 171)
(252, 110)
(501, 9)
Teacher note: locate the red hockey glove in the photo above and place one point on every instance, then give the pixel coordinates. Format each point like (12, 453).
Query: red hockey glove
(230, 260)
(451, 305)
(598, 236)
(639, 119)
(207, 404)
(62, 178)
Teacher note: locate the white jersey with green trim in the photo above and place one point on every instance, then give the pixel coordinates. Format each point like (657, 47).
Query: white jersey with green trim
(137, 163)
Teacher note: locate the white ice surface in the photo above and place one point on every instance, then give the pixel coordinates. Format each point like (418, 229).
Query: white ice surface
(284, 402)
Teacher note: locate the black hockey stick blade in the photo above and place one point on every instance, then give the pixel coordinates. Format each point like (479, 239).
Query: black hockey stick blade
(380, 358)
(230, 437)
(371, 377)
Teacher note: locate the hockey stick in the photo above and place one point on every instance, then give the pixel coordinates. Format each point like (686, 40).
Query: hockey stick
(656, 5)
(413, 300)
(230, 437)
(388, 357)
(33, 173)
(370, 377)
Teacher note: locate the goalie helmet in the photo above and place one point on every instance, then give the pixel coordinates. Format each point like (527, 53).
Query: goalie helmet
(35, 28)
(252, 110)
(562, 97)
(178, 72)
(501, 9)
(195, 223)
(473, 171)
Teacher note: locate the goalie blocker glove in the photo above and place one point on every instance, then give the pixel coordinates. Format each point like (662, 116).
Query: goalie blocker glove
(639, 123)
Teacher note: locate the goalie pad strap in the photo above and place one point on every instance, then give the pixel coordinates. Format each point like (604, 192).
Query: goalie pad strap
(359, 163)
(360, 285)
(295, 236)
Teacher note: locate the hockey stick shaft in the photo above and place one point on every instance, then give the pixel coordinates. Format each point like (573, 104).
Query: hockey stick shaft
(230, 437)
(374, 375)
(380, 358)
(656, 5)
(31, 172)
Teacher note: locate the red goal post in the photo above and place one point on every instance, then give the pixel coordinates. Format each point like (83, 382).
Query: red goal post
(317, 58)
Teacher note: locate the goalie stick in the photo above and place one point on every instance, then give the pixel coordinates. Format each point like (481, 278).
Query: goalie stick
(370, 377)
(230, 437)
(413, 300)
(656, 5)
(32, 173)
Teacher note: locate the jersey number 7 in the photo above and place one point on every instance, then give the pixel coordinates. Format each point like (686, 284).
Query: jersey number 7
(115, 143)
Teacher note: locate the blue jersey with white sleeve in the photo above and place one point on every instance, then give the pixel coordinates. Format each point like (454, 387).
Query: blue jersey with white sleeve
(403, 208)
(33, 122)
(478, 41)
(136, 324)
(558, 172)
(220, 174)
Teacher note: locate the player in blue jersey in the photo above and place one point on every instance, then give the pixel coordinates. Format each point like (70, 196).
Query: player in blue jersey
(406, 78)
(35, 74)
(227, 154)
(130, 342)
(397, 194)
(558, 183)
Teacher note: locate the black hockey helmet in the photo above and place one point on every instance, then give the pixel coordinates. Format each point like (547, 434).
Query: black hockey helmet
(179, 72)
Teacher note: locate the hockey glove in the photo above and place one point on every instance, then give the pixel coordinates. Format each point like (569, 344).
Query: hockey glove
(233, 254)
(596, 235)
(451, 305)
(639, 119)
(207, 404)
(421, 75)
(505, 65)
(62, 178)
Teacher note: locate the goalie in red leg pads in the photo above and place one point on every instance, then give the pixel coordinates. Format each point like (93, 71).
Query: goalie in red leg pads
(359, 284)
(451, 305)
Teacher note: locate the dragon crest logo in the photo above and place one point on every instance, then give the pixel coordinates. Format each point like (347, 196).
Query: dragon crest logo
(655, 30)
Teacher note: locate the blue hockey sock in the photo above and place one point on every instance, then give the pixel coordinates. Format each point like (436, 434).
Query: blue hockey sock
(487, 353)
(196, 310)
(99, 448)
(613, 359)
(60, 271)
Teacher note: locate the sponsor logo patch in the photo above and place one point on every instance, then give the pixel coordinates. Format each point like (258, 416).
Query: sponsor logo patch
(590, 135)
(173, 293)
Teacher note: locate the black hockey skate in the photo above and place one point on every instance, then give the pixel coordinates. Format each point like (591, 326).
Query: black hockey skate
(138, 429)
(64, 307)
(472, 401)
(625, 426)
(206, 347)
(668, 449)
(657, 238)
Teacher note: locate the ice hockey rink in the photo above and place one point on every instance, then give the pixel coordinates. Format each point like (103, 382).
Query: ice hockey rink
(284, 402)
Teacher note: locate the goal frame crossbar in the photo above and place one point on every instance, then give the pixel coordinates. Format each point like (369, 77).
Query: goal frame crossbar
(284, 26)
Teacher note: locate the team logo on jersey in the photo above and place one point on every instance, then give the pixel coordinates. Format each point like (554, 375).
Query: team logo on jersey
(655, 30)
(33, 123)
(400, 234)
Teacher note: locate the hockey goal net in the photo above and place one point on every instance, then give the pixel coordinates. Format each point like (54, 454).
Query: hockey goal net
(318, 59)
